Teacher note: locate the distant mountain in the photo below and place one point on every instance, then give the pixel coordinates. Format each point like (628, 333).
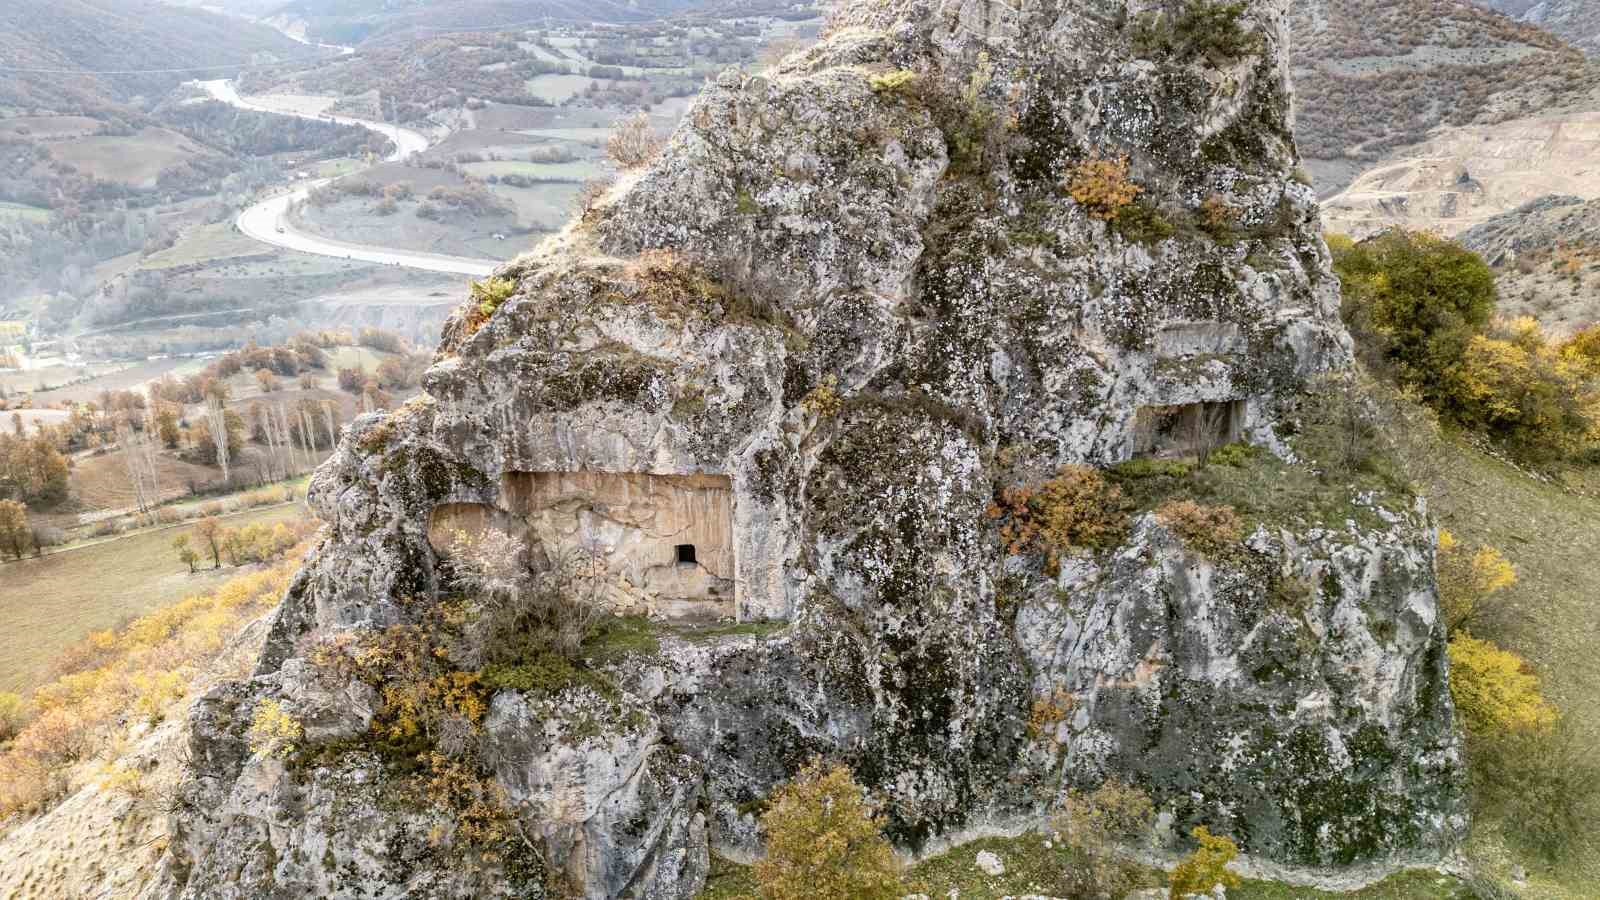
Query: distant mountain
(1375, 75)
(1578, 21)
(122, 36)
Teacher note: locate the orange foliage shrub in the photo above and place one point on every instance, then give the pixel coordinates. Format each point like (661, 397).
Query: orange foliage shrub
(1076, 510)
(1102, 186)
(1208, 530)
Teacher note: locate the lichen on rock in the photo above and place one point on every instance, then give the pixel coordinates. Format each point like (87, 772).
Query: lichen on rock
(858, 287)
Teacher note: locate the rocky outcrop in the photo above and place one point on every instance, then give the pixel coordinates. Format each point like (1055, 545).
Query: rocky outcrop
(860, 287)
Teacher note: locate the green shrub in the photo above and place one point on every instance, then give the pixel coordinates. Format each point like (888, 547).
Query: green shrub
(1142, 223)
(824, 843)
(1212, 31)
(1545, 785)
(974, 126)
(1414, 303)
(1153, 467)
(1235, 454)
(902, 82)
(486, 297)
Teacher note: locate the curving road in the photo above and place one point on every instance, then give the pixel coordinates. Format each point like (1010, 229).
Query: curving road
(268, 220)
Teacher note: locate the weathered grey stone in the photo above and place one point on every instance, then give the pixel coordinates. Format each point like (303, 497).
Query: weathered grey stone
(853, 301)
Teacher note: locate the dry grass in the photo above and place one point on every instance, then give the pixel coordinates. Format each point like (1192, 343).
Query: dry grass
(134, 159)
(1549, 533)
(48, 604)
(101, 482)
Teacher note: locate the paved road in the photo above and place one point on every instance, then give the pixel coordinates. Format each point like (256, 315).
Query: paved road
(268, 221)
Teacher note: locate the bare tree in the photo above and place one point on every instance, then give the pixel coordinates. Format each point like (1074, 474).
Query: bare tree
(131, 463)
(217, 422)
(306, 432)
(138, 457)
(1208, 427)
(557, 603)
(333, 433)
(269, 433)
(289, 435)
(633, 143)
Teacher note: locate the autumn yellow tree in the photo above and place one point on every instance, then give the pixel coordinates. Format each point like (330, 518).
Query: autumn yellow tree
(210, 534)
(186, 553)
(823, 842)
(1468, 579)
(1495, 690)
(1519, 388)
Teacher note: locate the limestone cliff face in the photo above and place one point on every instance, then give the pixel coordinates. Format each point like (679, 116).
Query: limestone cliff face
(856, 288)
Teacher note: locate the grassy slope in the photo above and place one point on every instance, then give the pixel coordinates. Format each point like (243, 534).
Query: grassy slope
(47, 604)
(1552, 535)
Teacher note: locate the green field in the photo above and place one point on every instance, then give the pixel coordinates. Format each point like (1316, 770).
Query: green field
(558, 89)
(47, 127)
(133, 159)
(49, 604)
(546, 206)
(355, 357)
(1549, 532)
(23, 212)
(34, 379)
(206, 243)
(592, 136)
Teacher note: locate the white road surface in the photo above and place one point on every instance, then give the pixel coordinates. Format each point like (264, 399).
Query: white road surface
(268, 221)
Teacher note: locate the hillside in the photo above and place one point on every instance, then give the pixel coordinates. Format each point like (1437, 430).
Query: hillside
(118, 36)
(1546, 259)
(1577, 21)
(1462, 176)
(1375, 75)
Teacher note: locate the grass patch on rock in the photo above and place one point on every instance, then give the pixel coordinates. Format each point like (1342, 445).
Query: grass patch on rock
(1261, 488)
(1033, 868)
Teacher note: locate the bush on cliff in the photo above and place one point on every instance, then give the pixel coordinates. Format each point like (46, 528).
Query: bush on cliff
(1205, 867)
(1095, 826)
(824, 843)
(1077, 510)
